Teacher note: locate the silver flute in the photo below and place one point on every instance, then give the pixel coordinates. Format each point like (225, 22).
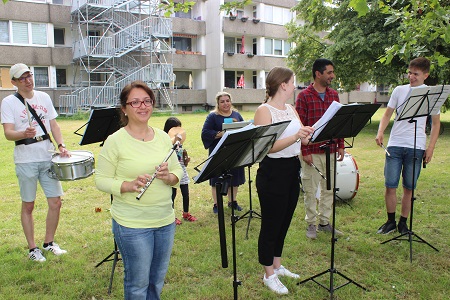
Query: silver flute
(149, 181)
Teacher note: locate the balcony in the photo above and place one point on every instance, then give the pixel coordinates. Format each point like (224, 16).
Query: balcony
(254, 29)
(189, 60)
(240, 61)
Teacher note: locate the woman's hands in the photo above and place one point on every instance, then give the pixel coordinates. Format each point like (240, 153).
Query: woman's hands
(304, 134)
(162, 173)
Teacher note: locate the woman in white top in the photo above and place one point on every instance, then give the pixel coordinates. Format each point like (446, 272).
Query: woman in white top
(277, 179)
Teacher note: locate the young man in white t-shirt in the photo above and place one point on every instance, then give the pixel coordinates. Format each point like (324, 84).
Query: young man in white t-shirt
(32, 156)
(401, 147)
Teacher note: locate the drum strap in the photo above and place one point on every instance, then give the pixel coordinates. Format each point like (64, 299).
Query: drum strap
(33, 112)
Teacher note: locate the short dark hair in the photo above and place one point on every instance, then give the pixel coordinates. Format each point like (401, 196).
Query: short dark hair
(170, 123)
(320, 65)
(421, 63)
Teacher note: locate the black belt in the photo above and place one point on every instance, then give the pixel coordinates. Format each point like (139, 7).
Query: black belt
(33, 140)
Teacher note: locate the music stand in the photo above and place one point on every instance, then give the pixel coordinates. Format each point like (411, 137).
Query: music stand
(347, 121)
(250, 214)
(102, 123)
(421, 102)
(238, 148)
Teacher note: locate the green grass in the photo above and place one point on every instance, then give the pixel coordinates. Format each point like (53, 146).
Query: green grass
(195, 270)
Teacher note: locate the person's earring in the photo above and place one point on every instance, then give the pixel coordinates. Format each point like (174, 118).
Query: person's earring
(125, 115)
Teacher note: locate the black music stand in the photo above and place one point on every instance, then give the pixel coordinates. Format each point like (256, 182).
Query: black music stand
(421, 102)
(115, 259)
(250, 214)
(346, 122)
(102, 122)
(238, 148)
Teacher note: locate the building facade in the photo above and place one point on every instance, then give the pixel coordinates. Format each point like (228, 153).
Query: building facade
(82, 52)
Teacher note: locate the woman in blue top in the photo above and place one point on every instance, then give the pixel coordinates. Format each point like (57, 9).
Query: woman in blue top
(211, 134)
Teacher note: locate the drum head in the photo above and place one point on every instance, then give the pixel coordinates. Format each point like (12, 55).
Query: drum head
(76, 156)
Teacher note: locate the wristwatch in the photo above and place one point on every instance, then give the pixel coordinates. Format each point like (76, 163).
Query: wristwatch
(61, 145)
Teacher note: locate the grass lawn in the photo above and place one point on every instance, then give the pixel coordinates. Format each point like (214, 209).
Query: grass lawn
(196, 271)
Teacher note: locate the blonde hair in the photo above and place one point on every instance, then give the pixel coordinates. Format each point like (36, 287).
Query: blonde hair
(275, 78)
(220, 94)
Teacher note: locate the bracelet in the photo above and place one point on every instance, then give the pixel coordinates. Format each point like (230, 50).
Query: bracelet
(298, 140)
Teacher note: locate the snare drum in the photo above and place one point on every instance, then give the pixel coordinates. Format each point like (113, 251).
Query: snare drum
(347, 177)
(78, 166)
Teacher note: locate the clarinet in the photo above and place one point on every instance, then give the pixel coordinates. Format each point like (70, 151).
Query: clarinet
(149, 181)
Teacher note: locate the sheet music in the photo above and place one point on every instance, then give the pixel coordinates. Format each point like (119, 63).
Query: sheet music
(251, 141)
(441, 98)
(329, 113)
(423, 101)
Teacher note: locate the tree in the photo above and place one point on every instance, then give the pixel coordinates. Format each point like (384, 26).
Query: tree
(372, 41)
(353, 43)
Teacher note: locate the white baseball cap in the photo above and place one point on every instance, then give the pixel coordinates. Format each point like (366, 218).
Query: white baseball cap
(17, 70)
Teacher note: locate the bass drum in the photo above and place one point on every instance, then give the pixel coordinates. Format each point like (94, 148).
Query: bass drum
(347, 177)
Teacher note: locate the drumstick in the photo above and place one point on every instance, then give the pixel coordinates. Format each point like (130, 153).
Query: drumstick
(317, 169)
(382, 146)
(71, 153)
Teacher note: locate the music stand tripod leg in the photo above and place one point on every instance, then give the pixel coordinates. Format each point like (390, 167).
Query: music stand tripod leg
(332, 270)
(249, 214)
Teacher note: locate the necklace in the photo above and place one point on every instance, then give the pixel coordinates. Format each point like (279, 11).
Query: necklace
(147, 133)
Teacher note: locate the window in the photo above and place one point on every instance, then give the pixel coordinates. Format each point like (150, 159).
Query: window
(39, 34)
(59, 36)
(61, 78)
(276, 47)
(26, 33)
(4, 32)
(277, 15)
(41, 77)
(230, 79)
(230, 44)
(181, 43)
(20, 33)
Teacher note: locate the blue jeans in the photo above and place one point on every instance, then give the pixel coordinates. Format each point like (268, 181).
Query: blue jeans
(401, 161)
(145, 254)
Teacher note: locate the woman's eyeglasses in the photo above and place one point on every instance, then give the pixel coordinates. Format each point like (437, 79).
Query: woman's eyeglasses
(137, 103)
(24, 78)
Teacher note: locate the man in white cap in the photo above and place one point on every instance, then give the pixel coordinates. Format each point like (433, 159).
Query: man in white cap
(28, 117)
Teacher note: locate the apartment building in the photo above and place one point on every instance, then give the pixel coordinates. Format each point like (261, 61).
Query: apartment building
(82, 52)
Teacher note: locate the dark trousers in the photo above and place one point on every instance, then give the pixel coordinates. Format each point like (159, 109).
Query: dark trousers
(278, 187)
(184, 193)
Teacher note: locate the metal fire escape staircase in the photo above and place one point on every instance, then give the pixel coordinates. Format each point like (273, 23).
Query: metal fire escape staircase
(118, 42)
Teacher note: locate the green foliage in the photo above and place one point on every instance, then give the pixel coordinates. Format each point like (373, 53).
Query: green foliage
(353, 43)
(228, 7)
(172, 7)
(372, 41)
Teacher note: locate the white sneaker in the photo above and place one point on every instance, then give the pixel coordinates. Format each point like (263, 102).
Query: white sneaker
(36, 255)
(282, 271)
(275, 284)
(55, 249)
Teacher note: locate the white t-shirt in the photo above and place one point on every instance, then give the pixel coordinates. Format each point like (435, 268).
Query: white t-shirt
(14, 112)
(293, 127)
(402, 133)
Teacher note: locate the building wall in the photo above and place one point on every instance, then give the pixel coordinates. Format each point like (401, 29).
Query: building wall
(206, 62)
